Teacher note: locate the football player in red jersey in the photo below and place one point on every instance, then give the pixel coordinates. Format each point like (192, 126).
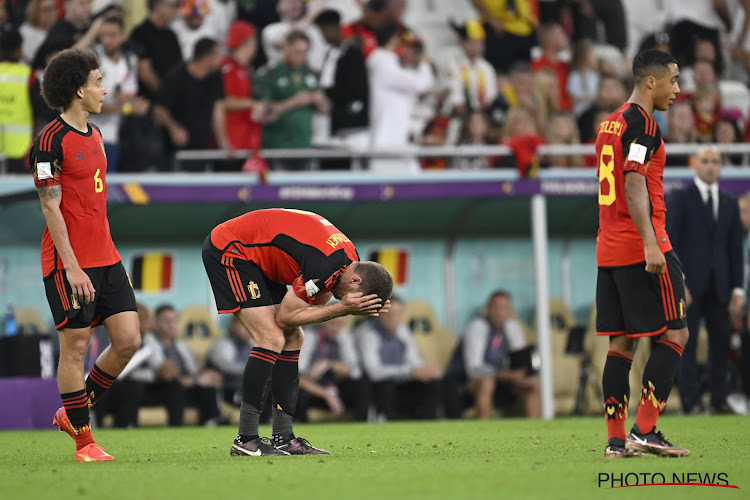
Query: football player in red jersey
(84, 279)
(250, 260)
(639, 290)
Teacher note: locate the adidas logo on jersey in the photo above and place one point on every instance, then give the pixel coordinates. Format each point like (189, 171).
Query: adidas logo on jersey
(80, 156)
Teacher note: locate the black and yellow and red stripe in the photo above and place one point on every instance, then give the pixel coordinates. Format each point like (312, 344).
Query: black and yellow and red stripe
(152, 272)
(395, 260)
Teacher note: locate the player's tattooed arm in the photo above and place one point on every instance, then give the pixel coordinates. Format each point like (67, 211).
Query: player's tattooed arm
(50, 192)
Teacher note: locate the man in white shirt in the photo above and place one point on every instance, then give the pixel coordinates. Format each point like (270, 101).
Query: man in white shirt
(393, 89)
(191, 25)
(704, 226)
(470, 79)
(391, 361)
(119, 70)
(330, 372)
(292, 14)
(486, 346)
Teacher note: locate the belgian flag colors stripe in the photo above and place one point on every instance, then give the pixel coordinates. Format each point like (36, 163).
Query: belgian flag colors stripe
(152, 272)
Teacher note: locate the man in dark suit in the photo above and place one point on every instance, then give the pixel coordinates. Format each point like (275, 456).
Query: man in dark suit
(344, 79)
(703, 223)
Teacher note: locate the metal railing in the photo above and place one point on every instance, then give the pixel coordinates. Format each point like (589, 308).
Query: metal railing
(324, 153)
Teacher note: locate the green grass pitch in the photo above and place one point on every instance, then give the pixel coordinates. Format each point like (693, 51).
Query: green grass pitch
(506, 459)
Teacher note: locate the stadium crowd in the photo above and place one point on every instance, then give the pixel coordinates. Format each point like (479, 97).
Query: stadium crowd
(245, 75)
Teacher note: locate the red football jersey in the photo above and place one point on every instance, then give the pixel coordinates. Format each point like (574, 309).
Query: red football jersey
(629, 140)
(243, 131)
(292, 247)
(61, 155)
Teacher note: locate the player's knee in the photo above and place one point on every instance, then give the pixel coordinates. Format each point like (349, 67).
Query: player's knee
(73, 346)
(272, 340)
(680, 336)
(294, 335)
(127, 347)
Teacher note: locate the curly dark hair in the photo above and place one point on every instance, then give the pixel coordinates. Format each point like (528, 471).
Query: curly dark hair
(67, 72)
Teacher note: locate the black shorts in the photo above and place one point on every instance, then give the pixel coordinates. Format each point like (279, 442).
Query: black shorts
(631, 301)
(114, 294)
(238, 283)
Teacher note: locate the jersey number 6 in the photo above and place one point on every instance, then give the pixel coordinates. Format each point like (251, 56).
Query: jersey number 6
(606, 173)
(99, 183)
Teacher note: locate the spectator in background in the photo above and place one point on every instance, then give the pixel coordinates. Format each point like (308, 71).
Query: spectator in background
(583, 80)
(119, 68)
(41, 15)
(156, 45)
(547, 97)
(680, 130)
(363, 31)
(510, 26)
(190, 25)
(228, 356)
(474, 131)
(692, 20)
(586, 13)
(16, 113)
(700, 75)
(704, 227)
(345, 81)
(521, 134)
(178, 381)
(563, 129)
(76, 28)
(349, 10)
(393, 88)
(518, 92)
(706, 112)
(292, 90)
(487, 346)
(191, 101)
(726, 131)
(391, 360)
(273, 36)
(553, 40)
(609, 97)
(330, 374)
(43, 114)
(470, 79)
(244, 114)
(221, 14)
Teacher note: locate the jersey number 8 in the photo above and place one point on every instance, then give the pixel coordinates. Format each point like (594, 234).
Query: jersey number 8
(606, 173)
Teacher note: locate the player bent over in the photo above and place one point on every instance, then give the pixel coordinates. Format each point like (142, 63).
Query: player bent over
(639, 290)
(84, 278)
(250, 260)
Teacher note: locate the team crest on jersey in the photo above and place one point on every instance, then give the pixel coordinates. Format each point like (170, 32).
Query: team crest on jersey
(74, 301)
(254, 290)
